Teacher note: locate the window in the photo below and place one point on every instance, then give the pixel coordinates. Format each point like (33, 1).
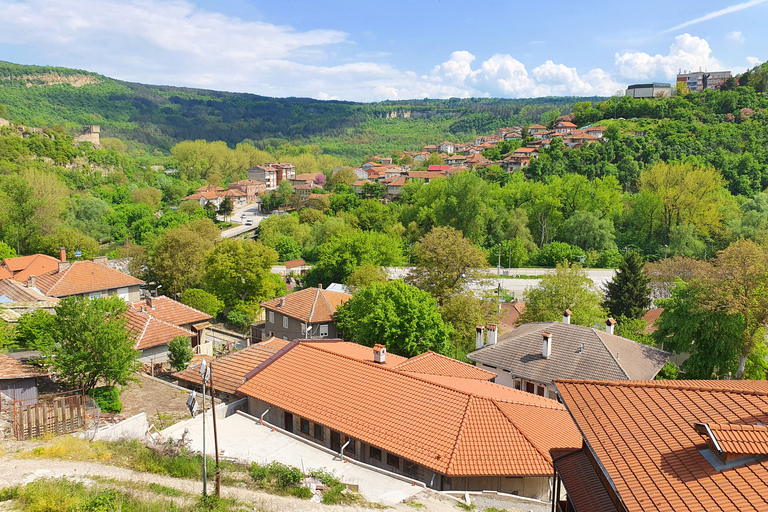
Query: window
(374, 453)
(324, 330)
(303, 329)
(530, 387)
(318, 432)
(271, 317)
(393, 460)
(95, 295)
(540, 390)
(305, 426)
(285, 322)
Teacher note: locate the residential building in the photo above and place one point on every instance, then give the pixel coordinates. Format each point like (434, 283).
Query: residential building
(305, 314)
(665, 445)
(510, 312)
(536, 128)
(653, 90)
(21, 267)
(564, 127)
(18, 381)
(430, 418)
(272, 174)
(180, 315)
(153, 335)
(445, 147)
(698, 81)
(251, 188)
(204, 198)
(14, 292)
(533, 355)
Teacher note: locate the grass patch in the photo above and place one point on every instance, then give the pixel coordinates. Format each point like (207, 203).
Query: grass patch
(414, 504)
(164, 490)
(335, 492)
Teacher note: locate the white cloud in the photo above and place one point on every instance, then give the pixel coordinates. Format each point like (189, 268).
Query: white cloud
(687, 52)
(735, 37)
(753, 61)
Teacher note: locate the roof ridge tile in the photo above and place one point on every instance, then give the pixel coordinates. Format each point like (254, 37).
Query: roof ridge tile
(454, 450)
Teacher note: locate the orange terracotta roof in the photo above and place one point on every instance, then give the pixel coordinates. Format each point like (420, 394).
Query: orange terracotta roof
(5, 273)
(307, 176)
(83, 277)
(17, 292)
(741, 439)
(437, 426)
(355, 351)
(643, 433)
(294, 263)
(10, 368)
(537, 126)
(228, 373)
(171, 311)
(650, 318)
(273, 342)
(151, 332)
(432, 363)
(22, 267)
(510, 312)
(585, 490)
(309, 305)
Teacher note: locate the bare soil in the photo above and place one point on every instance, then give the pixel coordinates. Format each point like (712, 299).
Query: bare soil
(164, 403)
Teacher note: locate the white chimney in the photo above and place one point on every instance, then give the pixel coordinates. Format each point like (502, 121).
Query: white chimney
(379, 354)
(546, 349)
(609, 325)
(479, 337)
(31, 282)
(492, 334)
(567, 316)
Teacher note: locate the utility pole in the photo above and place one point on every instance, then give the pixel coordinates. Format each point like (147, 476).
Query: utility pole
(205, 374)
(215, 435)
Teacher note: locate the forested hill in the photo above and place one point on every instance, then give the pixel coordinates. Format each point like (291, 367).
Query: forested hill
(161, 116)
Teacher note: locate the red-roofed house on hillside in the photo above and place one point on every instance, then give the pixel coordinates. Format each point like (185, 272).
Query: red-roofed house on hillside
(86, 278)
(175, 313)
(251, 188)
(308, 313)
(670, 445)
(21, 268)
(452, 432)
(153, 335)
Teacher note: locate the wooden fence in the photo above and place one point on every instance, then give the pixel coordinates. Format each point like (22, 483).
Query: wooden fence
(56, 414)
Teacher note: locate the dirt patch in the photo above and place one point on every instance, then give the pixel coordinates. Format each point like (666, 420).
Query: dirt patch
(164, 403)
(75, 80)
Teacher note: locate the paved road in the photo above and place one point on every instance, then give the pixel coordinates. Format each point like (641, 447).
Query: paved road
(239, 216)
(243, 438)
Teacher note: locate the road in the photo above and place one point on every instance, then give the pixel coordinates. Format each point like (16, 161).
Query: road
(239, 216)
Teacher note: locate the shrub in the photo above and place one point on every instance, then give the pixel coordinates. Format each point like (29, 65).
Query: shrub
(203, 301)
(180, 352)
(302, 492)
(275, 472)
(107, 398)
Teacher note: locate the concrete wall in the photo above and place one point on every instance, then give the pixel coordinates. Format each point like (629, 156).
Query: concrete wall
(505, 379)
(158, 354)
(134, 427)
(528, 486)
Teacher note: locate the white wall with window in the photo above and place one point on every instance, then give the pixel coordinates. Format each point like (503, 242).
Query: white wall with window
(323, 330)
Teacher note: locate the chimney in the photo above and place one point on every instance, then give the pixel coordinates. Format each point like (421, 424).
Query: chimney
(63, 265)
(609, 325)
(282, 301)
(31, 282)
(62, 254)
(567, 316)
(101, 260)
(379, 354)
(320, 286)
(143, 308)
(149, 301)
(492, 334)
(479, 341)
(546, 349)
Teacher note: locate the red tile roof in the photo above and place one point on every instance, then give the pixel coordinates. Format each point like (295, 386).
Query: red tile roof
(228, 373)
(644, 436)
(18, 292)
(432, 363)
(309, 305)
(650, 318)
(499, 432)
(83, 277)
(294, 263)
(741, 439)
(151, 332)
(510, 312)
(171, 311)
(585, 490)
(22, 267)
(354, 351)
(10, 368)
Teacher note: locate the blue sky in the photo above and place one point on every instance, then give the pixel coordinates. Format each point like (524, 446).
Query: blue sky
(372, 51)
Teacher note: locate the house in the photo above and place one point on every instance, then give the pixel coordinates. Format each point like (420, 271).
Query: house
(430, 148)
(228, 373)
(650, 317)
(595, 131)
(564, 127)
(14, 292)
(18, 381)
(206, 197)
(272, 174)
(510, 312)
(533, 355)
(210, 188)
(536, 128)
(665, 445)
(422, 418)
(153, 335)
(395, 185)
(251, 188)
(295, 267)
(359, 184)
(21, 268)
(445, 147)
(85, 279)
(427, 176)
(175, 313)
(304, 314)
(307, 178)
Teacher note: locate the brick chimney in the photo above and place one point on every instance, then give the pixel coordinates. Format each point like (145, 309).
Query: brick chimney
(101, 260)
(62, 254)
(31, 282)
(492, 332)
(379, 354)
(320, 286)
(63, 265)
(546, 349)
(609, 325)
(479, 338)
(567, 316)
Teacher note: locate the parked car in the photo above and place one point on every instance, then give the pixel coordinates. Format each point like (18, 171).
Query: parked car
(249, 222)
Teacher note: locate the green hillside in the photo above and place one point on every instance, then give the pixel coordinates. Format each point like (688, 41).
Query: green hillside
(161, 116)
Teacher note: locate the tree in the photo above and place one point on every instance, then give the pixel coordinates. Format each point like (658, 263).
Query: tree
(147, 195)
(92, 343)
(72, 239)
(177, 258)
(374, 189)
(446, 262)
(226, 207)
(344, 176)
(180, 352)
(588, 231)
(237, 271)
(628, 293)
(568, 287)
(287, 249)
(203, 301)
(464, 312)
(397, 315)
(35, 329)
(6, 251)
(365, 276)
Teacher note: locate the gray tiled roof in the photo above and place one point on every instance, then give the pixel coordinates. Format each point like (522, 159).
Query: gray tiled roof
(603, 356)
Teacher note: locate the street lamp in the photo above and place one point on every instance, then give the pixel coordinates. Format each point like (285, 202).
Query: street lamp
(498, 267)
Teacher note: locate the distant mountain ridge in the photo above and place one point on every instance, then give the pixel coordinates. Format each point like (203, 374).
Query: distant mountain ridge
(161, 116)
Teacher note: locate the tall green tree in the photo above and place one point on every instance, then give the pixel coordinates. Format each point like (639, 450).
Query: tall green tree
(628, 293)
(178, 256)
(239, 271)
(180, 352)
(397, 315)
(92, 343)
(202, 301)
(568, 287)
